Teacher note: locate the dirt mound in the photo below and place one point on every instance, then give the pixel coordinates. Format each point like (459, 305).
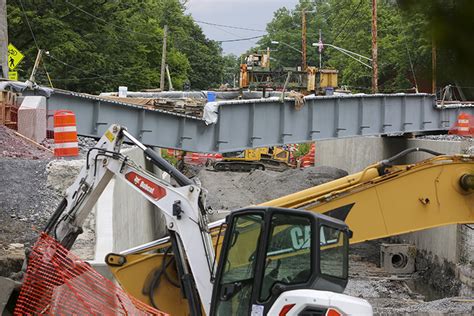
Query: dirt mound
(268, 186)
(13, 145)
(231, 190)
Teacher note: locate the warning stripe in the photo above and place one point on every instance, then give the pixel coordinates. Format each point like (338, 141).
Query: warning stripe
(62, 129)
(66, 145)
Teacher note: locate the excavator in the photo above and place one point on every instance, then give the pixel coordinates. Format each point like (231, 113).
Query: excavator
(273, 158)
(288, 256)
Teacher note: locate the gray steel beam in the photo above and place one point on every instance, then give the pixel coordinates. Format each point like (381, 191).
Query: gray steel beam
(263, 122)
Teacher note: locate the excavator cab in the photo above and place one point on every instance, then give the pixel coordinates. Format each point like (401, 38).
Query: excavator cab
(268, 251)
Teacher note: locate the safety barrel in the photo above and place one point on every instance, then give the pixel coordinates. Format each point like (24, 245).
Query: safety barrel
(464, 125)
(65, 134)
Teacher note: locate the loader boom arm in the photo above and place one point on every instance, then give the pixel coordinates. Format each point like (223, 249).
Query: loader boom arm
(182, 207)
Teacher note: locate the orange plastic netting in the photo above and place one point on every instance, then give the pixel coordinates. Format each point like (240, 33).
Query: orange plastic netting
(59, 283)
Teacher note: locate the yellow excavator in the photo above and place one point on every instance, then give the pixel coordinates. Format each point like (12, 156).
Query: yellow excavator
(285, 256)
(273, 158)
(382, 200)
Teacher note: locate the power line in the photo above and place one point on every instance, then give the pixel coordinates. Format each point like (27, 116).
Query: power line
(106, 22)
(228, 32)
(85, 71)
(88, 78)
(348, 20)
(240, 39)
(36, 42)
(230, 26)
(66, 64)
(29, 26)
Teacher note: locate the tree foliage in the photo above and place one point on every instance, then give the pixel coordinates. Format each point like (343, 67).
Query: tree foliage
(98, 45)
(405, 32)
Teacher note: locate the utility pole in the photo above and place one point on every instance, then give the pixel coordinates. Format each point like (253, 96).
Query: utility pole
(163, 60)
(320, 49)
(303, 40)
(433, 65)
(375, 68)
(3, 39)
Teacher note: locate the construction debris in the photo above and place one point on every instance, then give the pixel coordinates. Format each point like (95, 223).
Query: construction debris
(8, 109)
(187, 106)
(14, 145)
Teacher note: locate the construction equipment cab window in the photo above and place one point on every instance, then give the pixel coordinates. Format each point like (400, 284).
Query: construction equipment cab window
(333, 248)
(288, 256)
(267, 251)
(239, 268)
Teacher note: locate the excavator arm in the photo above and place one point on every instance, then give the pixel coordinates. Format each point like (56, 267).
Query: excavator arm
(386, 200)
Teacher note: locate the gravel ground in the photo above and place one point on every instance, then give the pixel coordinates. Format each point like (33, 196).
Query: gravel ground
(14, 146)
(447, 137)
(232, 190)
(25, 201)
(31, 186)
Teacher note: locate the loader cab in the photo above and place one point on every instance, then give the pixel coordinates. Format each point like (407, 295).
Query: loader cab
(267, 251)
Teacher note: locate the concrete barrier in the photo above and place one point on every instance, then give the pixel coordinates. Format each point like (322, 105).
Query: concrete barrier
(135, 220)
(32, 118)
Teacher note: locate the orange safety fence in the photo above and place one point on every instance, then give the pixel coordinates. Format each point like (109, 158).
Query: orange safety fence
(59, 283)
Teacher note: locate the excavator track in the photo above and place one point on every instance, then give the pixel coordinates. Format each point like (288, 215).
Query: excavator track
(238, 166)
(274, 165)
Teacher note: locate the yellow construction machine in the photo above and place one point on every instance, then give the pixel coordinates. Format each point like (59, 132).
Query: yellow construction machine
(273, 158)
(256, 73)
(382, 200)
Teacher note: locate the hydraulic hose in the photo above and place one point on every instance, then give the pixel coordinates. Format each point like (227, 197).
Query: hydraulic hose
(155, 282)
(388, 161)
(160, 162)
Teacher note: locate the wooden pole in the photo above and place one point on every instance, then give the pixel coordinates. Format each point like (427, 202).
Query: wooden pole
(303, 40)
(375, 69)
(3, 39)
(163, 60)
(433, 66)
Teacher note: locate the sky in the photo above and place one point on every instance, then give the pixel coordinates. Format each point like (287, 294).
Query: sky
(252, 14)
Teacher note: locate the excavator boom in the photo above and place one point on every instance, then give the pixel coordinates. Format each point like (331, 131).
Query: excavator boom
(384, 200)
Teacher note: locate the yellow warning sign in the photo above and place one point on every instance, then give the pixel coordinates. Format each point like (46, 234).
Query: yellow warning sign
(14, 56)
(13, 75)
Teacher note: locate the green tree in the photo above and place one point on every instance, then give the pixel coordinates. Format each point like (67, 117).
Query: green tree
(99, 45)
(404, 40)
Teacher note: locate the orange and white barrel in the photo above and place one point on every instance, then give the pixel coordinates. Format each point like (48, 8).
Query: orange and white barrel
(463, 124)
(65, 134)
